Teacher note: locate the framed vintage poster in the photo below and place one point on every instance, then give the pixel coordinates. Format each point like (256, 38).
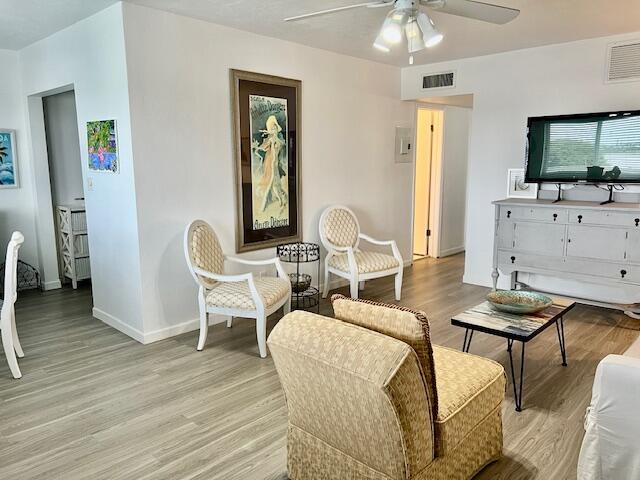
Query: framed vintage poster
(102, 144)
(516, 186)
(266, 118)
(8, 159)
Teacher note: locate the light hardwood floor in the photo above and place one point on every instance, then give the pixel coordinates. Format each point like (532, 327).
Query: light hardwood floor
(94, 404)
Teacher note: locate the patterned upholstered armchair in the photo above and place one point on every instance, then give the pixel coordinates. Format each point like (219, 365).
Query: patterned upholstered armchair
(340, 234)
(370, 397)
(241, 295)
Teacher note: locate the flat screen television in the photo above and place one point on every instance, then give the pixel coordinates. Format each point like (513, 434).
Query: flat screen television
(584, 148)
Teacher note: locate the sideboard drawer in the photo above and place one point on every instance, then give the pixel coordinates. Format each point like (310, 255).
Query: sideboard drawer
(613, 271)
(599, 217)
(536, 214)
(515, 260)
(539, 238)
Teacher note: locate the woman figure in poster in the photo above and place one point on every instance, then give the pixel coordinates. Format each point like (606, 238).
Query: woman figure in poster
(270, 182)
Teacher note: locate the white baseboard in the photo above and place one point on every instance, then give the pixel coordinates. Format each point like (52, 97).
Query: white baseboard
(173, 330)
(52, 285)
(452, 251)
(118, 324)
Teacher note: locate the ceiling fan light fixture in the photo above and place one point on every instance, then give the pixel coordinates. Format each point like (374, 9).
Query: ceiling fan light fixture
(380, 44)
(392, 27)
(412, 31)
(430, 34)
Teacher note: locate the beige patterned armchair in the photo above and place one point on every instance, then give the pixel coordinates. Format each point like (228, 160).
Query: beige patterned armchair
(243, 295)
(370, 397)
(340, 234)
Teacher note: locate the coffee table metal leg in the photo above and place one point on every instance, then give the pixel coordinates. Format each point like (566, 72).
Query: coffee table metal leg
(468, 335)
(517, 391)
(563, 348)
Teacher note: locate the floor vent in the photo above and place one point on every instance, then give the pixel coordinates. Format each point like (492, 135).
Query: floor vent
(624, 62)
(439, 80)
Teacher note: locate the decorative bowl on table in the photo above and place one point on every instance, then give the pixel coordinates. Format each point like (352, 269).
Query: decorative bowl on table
(299, 282)
(515, 301)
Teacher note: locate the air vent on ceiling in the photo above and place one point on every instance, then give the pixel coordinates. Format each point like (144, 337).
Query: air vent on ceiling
(439, 80)
(624, 62)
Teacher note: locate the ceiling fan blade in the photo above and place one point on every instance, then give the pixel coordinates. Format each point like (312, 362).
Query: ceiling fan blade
(486, 12)
(337, 9)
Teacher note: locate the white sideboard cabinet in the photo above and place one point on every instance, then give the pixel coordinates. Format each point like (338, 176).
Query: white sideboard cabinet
(576, 240)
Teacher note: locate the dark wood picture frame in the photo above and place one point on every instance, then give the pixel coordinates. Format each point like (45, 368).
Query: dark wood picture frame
(245, 85)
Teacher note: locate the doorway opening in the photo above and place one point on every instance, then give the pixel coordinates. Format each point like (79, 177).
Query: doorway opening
(67, 189)
(427, 181)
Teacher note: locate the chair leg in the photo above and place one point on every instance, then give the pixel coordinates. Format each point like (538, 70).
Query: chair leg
(204, 329)
(230, 321)
(14, 334)
(261, 333)
(286, 308)
(325, 287)
(354, 287)
(7, 344)
(399, 284)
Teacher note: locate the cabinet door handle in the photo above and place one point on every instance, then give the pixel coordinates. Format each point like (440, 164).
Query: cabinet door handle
(637, 220)
(508, 213)
(555, 217)
(579, 218)
(623, 273)
(513, 259)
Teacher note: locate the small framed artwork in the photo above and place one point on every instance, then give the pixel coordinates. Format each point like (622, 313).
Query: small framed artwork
(8, 159)
(516, 186)
(266, 123)
(102, 144)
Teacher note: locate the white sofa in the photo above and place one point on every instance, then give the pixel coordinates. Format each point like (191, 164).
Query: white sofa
(611, 446)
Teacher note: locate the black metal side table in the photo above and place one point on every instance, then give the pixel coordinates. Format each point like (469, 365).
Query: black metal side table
(304, 295)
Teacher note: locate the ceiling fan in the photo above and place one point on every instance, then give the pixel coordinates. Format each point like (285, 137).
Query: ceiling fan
(406, 19)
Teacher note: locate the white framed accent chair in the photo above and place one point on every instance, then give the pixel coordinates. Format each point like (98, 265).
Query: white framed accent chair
(241, 295)
(340, 234)
(10, 341)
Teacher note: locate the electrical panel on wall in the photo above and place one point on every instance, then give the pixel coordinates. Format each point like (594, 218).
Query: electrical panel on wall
(404, 145)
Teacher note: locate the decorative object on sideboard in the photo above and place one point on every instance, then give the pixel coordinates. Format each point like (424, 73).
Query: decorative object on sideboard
(516, 186)
(267, 132)
(304, 295)
(102, 146)
(8, 159)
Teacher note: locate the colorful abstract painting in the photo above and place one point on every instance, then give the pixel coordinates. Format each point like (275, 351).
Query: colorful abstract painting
(8, 173)
(102, 142)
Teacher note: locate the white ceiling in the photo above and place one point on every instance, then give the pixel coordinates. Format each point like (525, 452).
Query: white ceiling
(351, 32)
(23, 22)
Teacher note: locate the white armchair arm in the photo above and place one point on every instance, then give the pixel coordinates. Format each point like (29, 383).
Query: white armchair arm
(269, 261)
(610, 446)
(392, 243)
(243, 277)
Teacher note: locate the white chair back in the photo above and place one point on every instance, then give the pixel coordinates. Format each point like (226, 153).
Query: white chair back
(202, 250)
(11, 274)
(339, 228)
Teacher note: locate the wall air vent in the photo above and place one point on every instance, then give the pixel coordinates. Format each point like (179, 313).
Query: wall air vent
(439, 80)
(623, 62)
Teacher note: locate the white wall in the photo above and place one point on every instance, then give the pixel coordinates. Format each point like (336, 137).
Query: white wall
(181, 118)
(90, 56)
(63, 146)
(454, 179)
(16, 204)
(508, 88)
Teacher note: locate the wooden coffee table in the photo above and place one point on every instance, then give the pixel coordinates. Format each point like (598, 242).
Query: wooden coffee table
(515, 328)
